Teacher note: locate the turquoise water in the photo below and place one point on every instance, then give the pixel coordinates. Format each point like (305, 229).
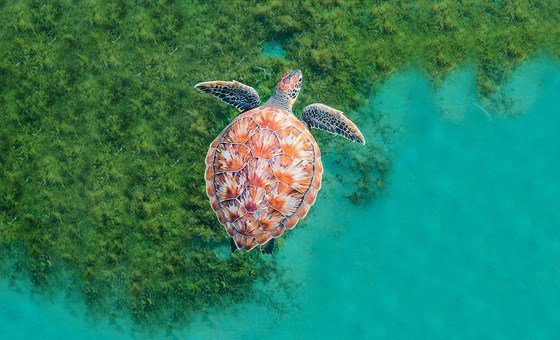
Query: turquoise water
(463, 242)
(26, 316)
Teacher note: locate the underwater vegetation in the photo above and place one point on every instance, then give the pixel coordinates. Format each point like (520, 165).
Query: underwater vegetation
(103, 138)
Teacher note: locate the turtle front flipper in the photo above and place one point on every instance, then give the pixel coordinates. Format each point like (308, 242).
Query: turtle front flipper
(326, 118)
(238, 95)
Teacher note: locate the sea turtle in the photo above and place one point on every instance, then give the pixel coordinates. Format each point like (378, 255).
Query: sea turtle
(264, 170)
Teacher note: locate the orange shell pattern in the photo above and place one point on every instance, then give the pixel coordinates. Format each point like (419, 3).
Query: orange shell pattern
(263, 173)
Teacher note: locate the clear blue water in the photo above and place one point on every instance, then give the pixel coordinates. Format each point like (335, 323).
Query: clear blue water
(464, 242)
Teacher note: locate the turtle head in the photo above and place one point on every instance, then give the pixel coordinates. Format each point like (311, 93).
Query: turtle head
(290, 84)
(287, 90)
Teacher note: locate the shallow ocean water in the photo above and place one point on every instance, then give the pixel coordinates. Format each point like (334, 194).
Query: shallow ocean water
(462, 242)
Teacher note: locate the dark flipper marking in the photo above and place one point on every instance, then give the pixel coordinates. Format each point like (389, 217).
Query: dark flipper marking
(268, 247)
(234, 93)
(326, 118)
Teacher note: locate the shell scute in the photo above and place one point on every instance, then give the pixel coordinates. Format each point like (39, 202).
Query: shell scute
(229, 185)
(283, 198)
(317, 180)
(209, 173)
(245, 242)
(221, 217)
(231, 157)
(263, 237)
(293, 172)
(291, 222)
(265, 144)
(263, 173)
(233, 210)
(210, 188)
(268, 218)
(247, 225)
(229, 229)
(210, 156)
(277, 231)
(252, 198)
(295, 144)
(310, 196)
(302, 210)
(270, 119)
(241, 131)
(319, 166)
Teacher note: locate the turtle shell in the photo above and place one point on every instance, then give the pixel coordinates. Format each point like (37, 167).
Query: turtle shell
(263, 173)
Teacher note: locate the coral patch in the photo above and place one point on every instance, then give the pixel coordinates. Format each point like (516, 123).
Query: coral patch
(247, 225)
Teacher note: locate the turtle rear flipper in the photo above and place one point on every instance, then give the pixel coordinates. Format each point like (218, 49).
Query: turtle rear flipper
(234, 93)
(232, 245)
(268, 247)
(326, 118)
